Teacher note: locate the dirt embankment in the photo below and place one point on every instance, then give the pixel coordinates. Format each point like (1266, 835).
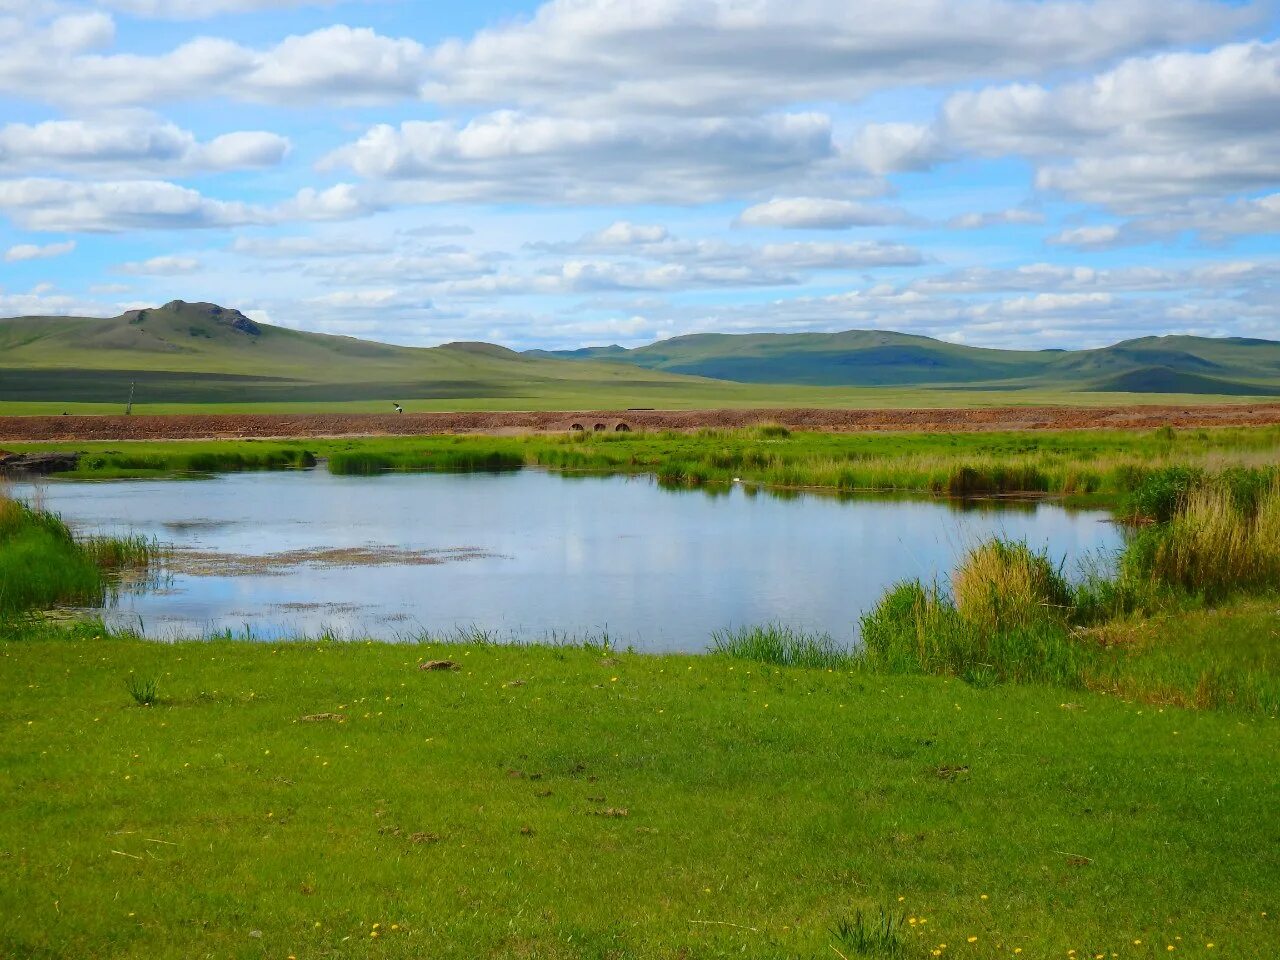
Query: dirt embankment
(264, 426)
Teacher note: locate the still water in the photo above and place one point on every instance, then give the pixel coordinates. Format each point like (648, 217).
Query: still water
(532, 555)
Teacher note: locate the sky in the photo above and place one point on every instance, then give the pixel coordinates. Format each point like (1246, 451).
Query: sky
(1007, 173)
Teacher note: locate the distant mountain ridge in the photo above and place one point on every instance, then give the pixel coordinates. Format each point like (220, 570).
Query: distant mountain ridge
(872, 358)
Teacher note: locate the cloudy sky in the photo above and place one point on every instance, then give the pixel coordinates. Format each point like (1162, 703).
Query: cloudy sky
(1022, 173)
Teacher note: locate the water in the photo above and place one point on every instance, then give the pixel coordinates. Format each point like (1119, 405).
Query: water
(533, 555)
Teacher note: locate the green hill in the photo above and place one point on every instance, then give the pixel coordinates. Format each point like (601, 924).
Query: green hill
(203, 353)
(186, 354)
(869, 358)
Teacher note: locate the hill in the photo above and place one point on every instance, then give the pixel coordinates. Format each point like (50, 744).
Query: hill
(185, 354)
(872, 358)
(204, 353)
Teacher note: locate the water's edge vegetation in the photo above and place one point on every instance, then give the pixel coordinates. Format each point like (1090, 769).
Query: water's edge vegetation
(1102, 466)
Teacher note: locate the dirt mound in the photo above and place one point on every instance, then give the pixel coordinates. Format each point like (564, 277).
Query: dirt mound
(265, 426)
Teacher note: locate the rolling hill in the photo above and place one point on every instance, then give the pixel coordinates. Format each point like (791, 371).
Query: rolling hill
(199, 353)
(204, 353)
(870, 358)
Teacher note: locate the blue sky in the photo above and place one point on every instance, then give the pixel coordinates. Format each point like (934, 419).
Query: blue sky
(1017, 173)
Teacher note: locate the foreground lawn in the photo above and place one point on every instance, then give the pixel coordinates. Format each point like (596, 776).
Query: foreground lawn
(542, 803)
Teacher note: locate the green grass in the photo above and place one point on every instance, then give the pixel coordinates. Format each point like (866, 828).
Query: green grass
(42, 564)
(1097, 466)
(478, 813)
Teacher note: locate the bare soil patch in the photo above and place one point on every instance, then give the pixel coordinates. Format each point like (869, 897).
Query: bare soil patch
(282, 426)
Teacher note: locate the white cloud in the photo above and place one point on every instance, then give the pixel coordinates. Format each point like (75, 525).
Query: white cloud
(163, 266)
(118, 206)
(896, 147)
(305, 247)
(625, 234)
(1013, 216)
(727, 56)
(1088, 237)
(132, 144)
(817, 213)
(336, 65)
(1151, 131)
(201, 9)
(511, 156)
(31, 251)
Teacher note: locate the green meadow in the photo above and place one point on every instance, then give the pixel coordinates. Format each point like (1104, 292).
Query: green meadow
(1011, 766)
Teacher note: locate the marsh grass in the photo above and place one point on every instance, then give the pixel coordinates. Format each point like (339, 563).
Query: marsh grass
(781, 645)
(1004, 584)
(1225, 538)
(1101, 466)
(42, 564)
(918, 629)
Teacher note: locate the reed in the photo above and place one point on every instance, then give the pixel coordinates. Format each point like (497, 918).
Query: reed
(1002, 584)
(43, 565)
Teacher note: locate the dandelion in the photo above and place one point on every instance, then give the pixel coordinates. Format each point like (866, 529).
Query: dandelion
(973, 939)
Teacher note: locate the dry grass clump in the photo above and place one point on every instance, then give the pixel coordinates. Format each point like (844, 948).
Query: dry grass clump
(1216, 544)
(1002, 584)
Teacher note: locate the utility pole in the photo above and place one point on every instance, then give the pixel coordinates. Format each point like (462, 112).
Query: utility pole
(128, 410)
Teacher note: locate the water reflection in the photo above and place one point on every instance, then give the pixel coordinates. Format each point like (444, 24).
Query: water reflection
(533, 555)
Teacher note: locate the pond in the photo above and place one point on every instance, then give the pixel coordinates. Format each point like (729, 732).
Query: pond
(532, 555)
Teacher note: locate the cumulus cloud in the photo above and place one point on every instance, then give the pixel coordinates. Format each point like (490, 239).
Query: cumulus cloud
(897, 147)
(1151, 131)
(116, 206)
(32, 251)
(132, 144)
(723, 56)
(1013, 216)
(201, 9)
(163, 266)
(1089, 237)
(513, 156)
(333, 65)
(817, 213)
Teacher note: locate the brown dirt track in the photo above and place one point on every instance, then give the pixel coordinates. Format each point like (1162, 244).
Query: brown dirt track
(268, 426)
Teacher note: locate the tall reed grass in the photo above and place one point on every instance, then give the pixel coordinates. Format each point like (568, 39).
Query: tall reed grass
(43, 565)
(1224, 539)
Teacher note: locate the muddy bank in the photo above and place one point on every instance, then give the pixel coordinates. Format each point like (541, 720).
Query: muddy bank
(265, 426)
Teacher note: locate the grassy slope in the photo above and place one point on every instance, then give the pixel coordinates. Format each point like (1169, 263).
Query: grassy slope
(764, 806)
(180, 354)
(1189, 365)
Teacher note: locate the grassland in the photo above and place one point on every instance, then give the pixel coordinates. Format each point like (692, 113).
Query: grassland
(561, 803)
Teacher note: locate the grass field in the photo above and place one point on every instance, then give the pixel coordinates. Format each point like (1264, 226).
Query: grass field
(568, 803)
